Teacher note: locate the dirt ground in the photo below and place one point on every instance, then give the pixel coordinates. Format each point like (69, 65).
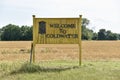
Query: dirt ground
(91, 50)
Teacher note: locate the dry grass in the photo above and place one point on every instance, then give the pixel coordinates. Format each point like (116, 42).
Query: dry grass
(91, 50)
(98, 50)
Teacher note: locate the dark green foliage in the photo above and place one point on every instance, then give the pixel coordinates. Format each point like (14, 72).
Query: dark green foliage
(107, 35)
(0, 33)
(102, 34)
(26, 33)
(113, 36)
(13, 32)
(95, 36)
(119, 36)
(10, 32)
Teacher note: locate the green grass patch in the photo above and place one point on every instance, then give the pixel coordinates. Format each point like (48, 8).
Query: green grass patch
(60, 70)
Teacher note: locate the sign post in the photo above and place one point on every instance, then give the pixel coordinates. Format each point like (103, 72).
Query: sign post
(80, 39)
(56, 31)
(34, 38)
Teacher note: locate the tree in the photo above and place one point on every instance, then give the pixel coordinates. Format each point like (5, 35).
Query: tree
(113, 36)
(119, 36)
(26, 33)
(10, 32)
(95, 36)
(102, 34)
(0, 33)
(87, 34)
(107, 35)
(85, 22)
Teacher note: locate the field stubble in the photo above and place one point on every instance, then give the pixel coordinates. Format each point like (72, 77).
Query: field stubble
(91, 50)
(101, 61)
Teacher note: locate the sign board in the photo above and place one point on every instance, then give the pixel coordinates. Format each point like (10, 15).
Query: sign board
(57, 31)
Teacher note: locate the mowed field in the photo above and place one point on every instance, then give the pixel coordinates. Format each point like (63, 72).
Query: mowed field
(91, 50)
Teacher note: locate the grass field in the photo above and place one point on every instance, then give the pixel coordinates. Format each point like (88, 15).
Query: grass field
(100, 61)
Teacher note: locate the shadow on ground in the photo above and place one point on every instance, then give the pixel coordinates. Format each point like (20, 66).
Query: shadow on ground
(32, 68)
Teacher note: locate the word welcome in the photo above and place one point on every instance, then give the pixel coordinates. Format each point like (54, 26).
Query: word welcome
(62, 25)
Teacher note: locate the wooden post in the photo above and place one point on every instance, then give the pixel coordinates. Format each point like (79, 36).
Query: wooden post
(34, 38)
(31, 53)
(80, 39)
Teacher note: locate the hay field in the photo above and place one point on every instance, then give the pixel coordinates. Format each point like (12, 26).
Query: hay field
(91, 50)
(101, 61)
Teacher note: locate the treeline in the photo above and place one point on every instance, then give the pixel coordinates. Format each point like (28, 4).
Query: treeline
(12, 32)
(103, 34)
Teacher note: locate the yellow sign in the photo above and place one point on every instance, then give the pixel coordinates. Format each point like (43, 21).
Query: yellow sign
(56, 31)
